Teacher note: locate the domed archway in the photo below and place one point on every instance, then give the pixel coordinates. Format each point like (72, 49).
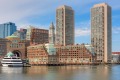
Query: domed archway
(17, 53)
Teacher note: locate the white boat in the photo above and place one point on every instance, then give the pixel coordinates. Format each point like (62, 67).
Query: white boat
(11, 60)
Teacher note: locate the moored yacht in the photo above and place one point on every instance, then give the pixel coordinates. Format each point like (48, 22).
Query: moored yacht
(11, 60)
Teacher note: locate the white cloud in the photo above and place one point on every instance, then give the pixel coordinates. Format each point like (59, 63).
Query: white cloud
(34, 25)
(18, 11)
(116, 30)
(82, 32)
(82, 29)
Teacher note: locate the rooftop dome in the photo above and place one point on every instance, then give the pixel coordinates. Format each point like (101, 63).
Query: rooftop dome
(10, 54)
(12, 36)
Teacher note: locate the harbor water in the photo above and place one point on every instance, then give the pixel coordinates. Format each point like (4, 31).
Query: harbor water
(74, 72)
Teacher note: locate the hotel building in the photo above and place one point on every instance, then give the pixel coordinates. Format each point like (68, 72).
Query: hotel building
(101, 31)
(64, 25)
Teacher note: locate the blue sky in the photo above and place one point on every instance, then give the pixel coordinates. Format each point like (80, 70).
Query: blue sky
(41, 13)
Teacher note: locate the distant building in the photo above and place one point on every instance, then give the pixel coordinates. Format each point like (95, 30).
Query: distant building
(116, 57)
(64, 25)
(101, 33)
(7, 29)
(28, 35)
(37, 36)
(21, 33)
(52, 34)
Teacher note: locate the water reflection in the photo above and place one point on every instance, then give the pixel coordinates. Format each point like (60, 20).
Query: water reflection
(10, 70)
(101, 72)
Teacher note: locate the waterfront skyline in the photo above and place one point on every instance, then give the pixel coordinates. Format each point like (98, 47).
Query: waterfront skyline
(42, 16)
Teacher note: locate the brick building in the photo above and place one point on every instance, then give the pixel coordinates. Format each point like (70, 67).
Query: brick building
(55, 55)
(75, 54)
(37, 36)
(16, 46)
(37, 55)
(3, 47)
(13, 44)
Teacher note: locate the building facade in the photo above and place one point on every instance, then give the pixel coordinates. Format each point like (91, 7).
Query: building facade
(64, 25)
(37, 36)
(101, 31)
(16, 46)
(7, 29)
(52, 33)
(21, 33)
(47, 54)
(52, 57)
(115, 57)
(37, 55)
(3, 47)
(28, 34)
(12, 44)
(50, 48)
(76, 54)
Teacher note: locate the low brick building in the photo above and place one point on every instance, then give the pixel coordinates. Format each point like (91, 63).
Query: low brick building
(75, 54)
(71, 54)
(3, 47)
(37, 55)
(16, 46)
(12, 44)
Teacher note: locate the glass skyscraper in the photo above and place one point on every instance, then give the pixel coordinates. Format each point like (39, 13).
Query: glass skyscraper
(7, 29)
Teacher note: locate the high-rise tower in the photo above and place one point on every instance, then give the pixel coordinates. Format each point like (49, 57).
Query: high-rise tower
(52, 34)
(7, 29)
(101, 31)
(64, 25)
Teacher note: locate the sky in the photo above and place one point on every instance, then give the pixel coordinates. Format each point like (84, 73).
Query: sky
(41, 13)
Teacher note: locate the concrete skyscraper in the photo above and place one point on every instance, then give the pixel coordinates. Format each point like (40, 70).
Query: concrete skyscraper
(64, 25)
(52, 34)
(101, 37)
(7, 29)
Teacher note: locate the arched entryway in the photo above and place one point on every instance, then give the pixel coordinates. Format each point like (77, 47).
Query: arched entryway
(17, 53)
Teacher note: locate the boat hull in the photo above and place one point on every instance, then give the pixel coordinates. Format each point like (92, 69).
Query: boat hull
(12, 65)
